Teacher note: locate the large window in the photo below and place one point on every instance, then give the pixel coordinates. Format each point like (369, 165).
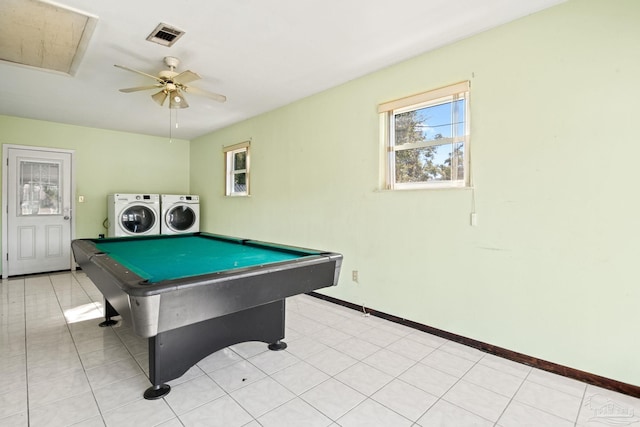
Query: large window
(427, 139)
(237, 169)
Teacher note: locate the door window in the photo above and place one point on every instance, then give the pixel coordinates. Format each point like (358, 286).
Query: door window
(138, 219)
(181, 218)
(39, 188)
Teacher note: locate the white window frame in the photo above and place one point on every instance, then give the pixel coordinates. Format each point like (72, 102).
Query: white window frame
(231, 171)
(389, 110)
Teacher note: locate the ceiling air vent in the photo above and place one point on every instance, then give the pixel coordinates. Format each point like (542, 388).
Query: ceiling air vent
(165, 35)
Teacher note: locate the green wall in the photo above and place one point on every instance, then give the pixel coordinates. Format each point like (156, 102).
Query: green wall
(549, 270)
(106, 162)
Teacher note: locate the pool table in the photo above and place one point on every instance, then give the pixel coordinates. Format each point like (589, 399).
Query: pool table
(193, 294)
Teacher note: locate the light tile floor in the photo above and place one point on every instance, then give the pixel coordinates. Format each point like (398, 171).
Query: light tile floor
(341, 368)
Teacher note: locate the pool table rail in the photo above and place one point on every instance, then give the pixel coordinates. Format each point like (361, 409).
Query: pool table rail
(152, 308)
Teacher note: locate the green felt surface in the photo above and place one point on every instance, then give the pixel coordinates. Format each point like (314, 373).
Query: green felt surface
(184, 256)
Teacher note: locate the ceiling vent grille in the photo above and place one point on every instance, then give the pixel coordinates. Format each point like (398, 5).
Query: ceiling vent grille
(165, 35)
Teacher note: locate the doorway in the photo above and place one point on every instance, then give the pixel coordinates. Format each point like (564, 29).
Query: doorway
(37, 221)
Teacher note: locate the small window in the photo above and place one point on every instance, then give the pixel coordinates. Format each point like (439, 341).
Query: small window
(39, 190)
(237, 169)
(427, 139)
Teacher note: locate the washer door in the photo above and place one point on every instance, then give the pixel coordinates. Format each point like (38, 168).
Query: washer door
(180, 218)
(137, 219)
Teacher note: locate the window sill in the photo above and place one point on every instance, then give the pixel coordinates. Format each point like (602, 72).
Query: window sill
(434, 188)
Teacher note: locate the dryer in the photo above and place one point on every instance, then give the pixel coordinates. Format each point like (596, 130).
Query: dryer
(180, 213)
(133, 214)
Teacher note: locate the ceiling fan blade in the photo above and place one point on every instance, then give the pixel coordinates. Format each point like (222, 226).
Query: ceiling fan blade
(186, 77)
(214, 96)
(139, 72)
(160, 97)
(137, 88)
(177, 100)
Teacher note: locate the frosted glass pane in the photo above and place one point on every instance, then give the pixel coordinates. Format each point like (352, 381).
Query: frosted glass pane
(39, 188)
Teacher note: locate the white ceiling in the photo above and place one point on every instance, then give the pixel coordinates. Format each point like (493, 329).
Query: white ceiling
(261, 54)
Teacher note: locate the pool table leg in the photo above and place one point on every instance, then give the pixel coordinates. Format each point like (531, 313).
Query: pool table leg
(156, 391)
(277, 346)
(109, 312)
(173, 352)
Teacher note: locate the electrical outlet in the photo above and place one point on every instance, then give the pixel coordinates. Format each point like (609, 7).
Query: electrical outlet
(80, 199)
(354, 275)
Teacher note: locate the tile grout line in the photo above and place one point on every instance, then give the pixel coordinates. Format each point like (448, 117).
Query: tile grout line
(78, 352)
(512, 398)
(441, 397)
(396, 377)
(415, 362)
(582, 403)
(240, 388)
(367, 397)
(75, 345)
(100, 411)
(26, 351)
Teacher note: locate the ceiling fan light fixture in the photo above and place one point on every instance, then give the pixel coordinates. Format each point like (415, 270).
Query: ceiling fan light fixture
(176, 100)
(160, 97)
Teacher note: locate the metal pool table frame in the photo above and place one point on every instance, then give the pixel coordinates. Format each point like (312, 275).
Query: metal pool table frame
(187, 319)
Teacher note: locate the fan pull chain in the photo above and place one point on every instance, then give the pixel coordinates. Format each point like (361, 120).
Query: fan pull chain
(170, 124)
(170, 127)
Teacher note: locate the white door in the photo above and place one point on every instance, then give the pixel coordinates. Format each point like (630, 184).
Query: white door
(38, 210)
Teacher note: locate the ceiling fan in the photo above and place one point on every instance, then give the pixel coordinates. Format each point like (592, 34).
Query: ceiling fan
(172, 85)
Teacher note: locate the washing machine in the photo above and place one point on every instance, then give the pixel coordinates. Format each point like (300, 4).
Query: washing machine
(133, 214)
(180, 213)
